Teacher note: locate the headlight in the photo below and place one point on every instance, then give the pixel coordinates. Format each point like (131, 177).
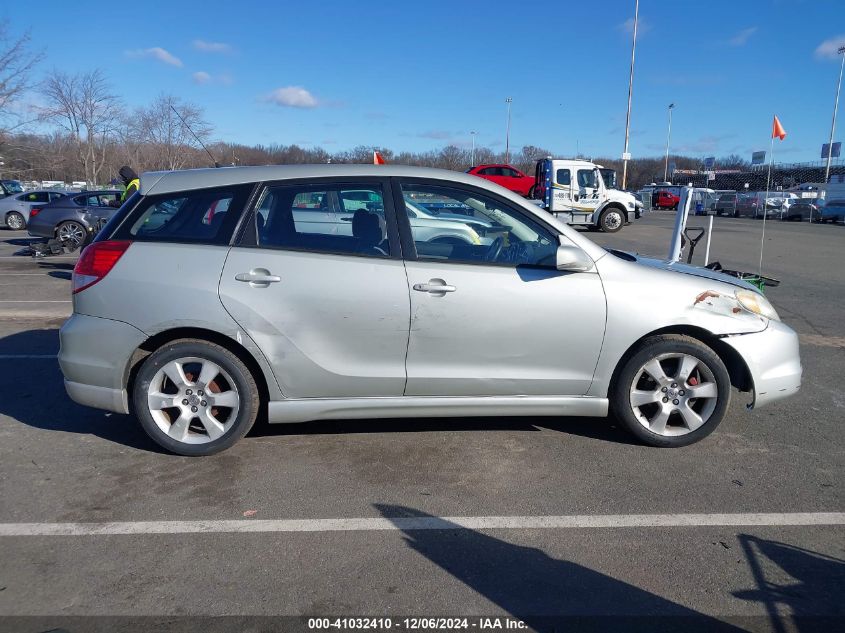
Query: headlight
(756, 303)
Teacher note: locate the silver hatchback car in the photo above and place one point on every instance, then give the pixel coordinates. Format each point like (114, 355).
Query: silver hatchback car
(215, 295)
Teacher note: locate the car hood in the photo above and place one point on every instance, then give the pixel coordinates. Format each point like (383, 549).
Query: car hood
(695, 271)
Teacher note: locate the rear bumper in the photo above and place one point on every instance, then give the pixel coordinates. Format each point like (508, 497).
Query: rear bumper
(94, 358)
(773, 358)
(98, 397)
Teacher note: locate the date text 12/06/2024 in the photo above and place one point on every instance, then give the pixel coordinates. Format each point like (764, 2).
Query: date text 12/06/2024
(416, 623)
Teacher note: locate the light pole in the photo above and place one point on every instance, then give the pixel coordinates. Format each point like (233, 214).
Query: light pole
(509, 100)
(835, 108)
(472, 155)
(625, 155)
(668, 136)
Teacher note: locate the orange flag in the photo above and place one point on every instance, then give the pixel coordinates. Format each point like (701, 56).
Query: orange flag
(378, 159)
(777, 129)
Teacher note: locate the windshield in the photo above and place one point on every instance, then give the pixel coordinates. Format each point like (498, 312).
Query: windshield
(12, 186)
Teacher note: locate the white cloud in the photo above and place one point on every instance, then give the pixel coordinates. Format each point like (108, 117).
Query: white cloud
(643, 27)
(741, 38)
(158, 53)
(293, 97)
(201, 77)
(212, 47)
(828, 48)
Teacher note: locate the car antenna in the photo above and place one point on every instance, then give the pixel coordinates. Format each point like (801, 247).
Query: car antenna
(185, 123)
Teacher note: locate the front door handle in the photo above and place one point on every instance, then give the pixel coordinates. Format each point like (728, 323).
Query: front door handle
(258, 278)
(435, 286)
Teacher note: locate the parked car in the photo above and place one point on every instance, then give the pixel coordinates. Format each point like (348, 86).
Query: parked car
(15, 209)
(74, 219)
(10, 187)
(206, 300)
(726, 204)
(776, 203)
(505, 175)
(803, 209)
(665, 200)
(746, 205)
(832, 211)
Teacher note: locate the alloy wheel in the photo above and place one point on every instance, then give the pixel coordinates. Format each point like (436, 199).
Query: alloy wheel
(72, 232)
(193, 400)
(15, 221)
(673, 394)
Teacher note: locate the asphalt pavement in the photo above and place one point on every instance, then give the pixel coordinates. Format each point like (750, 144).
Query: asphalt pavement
(534, 519)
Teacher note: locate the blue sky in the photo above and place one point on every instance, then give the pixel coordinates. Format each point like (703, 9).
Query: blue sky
(420, 75)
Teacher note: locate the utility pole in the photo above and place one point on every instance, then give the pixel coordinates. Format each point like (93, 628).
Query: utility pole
(472, 155)
(835, 108)
(668, 136)
(625, 155)
(509, 100)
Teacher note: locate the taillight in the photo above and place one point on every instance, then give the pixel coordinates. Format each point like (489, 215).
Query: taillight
(33, 212)
(96, 262)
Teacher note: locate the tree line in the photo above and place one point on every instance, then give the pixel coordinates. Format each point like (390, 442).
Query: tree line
(81, 130)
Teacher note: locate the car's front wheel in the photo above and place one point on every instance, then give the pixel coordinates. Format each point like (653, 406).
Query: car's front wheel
(673, 391)
(611, 220)
(195, 398)
(15, 221)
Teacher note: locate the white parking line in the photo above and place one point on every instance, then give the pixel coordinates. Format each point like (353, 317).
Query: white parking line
(36, 301)
(424, 523)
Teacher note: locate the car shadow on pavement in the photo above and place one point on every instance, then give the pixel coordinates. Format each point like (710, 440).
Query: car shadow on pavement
(38, 399)
(605, 429)
(547, 594)
(807, 584)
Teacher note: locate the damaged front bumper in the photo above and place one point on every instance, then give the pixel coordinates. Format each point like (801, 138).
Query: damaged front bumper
(773, 359)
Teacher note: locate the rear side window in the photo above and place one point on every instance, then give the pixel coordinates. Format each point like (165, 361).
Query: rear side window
(562, 177)
(342, 219)
(206, 216)
(35, 196)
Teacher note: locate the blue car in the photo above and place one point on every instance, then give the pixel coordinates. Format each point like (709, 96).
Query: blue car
(833, 211)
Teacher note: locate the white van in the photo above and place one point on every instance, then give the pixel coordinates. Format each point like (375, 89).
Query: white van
(574, 191)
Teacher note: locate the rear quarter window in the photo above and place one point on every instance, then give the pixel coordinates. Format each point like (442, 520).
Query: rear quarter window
(204, 216)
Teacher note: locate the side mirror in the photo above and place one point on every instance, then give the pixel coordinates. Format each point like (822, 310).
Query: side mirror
(572, 259)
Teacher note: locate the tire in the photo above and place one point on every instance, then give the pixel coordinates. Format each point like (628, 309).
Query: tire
(183, 419)
(531, 191)
(15, 221)
(611, 220)
(682, 419)
(72, 234)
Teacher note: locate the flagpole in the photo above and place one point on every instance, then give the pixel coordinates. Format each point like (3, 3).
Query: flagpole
(766, 200)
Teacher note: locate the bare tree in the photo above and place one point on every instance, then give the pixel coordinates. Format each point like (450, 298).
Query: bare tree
(171, 135)
(84, 106)
(16, 62)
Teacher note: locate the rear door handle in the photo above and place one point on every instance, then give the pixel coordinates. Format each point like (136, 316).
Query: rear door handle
(435, 286)
(258, 278)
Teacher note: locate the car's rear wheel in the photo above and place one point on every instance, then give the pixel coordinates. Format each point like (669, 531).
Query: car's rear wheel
(531, 190)
(15, 221)
(195, 398)
(72, 234)
(611, 220)
(673, 391)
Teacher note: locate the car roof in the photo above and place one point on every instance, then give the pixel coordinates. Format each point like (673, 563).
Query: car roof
(93, 192)
(185, 180)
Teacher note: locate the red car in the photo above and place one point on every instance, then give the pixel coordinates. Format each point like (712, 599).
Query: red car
(666, 200)
(505, 175)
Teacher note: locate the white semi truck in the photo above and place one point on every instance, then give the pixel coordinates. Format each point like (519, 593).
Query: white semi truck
(575, 191)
